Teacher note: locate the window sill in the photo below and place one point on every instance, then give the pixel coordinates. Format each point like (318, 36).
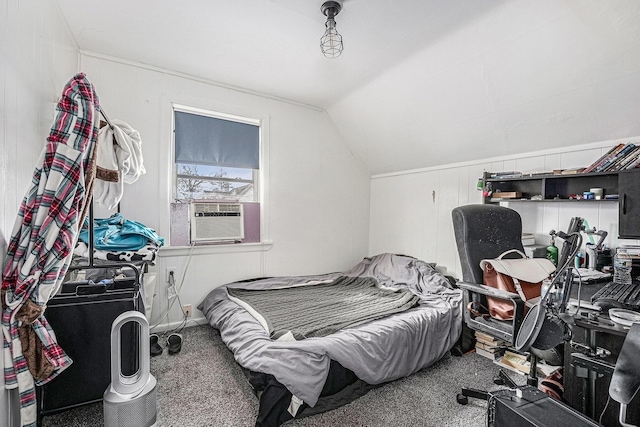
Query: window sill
(168, 251)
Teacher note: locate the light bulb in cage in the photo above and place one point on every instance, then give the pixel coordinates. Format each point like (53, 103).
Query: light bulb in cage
(331, 41)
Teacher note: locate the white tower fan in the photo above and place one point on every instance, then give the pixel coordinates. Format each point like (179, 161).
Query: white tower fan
(130, 400)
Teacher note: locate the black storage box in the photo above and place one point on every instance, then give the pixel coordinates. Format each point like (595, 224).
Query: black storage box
(81, 317)
(534, 408)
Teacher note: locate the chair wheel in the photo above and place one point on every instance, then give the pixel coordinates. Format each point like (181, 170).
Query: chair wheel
(497, 380)
(462, 399)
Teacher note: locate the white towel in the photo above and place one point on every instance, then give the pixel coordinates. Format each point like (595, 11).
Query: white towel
(131, 165)
(124, 155)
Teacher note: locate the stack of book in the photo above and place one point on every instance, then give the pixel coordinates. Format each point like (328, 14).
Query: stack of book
(620, 157)
(489, 347)
(632, 250)
(571, 171)
(506, 174)
(518, 362)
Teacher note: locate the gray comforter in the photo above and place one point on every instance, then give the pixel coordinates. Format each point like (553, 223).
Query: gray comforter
(317, 310)
(376, 351)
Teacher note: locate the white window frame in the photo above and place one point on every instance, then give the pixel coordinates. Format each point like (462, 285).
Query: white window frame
(261, 186)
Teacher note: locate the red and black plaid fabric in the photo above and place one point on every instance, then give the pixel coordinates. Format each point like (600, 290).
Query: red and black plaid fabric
(45, 233)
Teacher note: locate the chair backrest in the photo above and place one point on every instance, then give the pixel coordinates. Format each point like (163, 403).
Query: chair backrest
(625, 381)
(484, 231)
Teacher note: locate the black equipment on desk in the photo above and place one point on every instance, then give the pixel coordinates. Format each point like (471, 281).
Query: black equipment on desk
(627, 295)
(546, 326)
(528, 406)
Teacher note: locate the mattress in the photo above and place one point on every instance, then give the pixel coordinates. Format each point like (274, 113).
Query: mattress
(375, 351)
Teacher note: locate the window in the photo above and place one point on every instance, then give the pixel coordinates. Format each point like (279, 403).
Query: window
(217, 156)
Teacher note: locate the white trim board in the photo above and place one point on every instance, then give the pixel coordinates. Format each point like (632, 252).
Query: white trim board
(558, 150)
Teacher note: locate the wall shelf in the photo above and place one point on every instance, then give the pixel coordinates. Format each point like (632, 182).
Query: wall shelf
(551, 200)
(558, 188)
(553, 187)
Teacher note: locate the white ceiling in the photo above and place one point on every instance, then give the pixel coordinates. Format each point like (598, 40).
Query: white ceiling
(420, 82)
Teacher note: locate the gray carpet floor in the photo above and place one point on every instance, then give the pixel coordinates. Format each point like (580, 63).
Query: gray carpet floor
(203, 386)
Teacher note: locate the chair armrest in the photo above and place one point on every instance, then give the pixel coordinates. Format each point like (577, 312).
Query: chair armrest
(489, 291)
(479, 323)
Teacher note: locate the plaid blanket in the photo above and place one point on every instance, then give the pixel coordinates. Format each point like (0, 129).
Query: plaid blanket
(43, 239)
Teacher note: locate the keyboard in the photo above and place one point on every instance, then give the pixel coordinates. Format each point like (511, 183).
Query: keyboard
(627, 295)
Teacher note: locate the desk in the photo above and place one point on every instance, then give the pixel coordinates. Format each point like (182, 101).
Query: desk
(581, 384)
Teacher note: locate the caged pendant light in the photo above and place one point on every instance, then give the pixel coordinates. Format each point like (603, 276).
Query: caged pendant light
(331, 41)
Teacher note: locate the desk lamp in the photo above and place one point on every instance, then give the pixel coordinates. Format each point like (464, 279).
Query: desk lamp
(593, 248)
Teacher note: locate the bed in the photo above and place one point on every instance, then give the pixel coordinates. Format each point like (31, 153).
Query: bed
(300, 368)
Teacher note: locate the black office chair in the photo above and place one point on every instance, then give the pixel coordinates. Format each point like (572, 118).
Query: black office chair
(625, 381)
(484, 232)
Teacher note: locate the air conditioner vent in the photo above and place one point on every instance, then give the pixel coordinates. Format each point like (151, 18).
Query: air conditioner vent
(211, 221)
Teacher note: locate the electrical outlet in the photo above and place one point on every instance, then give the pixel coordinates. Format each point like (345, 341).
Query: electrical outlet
(167, 274)
(187, 310)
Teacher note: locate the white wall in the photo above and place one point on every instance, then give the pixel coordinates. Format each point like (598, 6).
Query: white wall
(406, 218)
(317, 199)
(37, 57)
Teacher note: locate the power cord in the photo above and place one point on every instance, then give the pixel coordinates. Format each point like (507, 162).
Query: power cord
(606, 405)
(172, 299)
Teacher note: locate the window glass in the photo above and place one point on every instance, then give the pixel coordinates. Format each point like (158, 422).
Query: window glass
(214, 183)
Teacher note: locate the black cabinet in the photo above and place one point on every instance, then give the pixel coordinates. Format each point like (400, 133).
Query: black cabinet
(629, 208)
(588, 392)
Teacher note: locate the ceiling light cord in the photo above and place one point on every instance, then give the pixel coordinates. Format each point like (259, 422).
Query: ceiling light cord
(331, 42)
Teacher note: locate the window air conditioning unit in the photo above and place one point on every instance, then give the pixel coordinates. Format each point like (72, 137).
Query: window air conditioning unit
(211, 221)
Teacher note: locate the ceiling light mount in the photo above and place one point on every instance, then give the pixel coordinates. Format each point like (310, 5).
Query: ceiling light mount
(331, 41)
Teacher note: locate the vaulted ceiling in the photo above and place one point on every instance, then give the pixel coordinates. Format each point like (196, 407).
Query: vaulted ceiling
(420, 82)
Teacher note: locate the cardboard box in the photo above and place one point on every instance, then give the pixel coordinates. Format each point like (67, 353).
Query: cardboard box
(516, 361)
(507, 195)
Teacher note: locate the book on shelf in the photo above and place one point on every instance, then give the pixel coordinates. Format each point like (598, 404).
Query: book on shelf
(506, 174)
(614, 162)
(624, 162)
(612, 159)
(507, 195)
(603, 158)
(572, 171)
(634, 161)
(540, 172)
